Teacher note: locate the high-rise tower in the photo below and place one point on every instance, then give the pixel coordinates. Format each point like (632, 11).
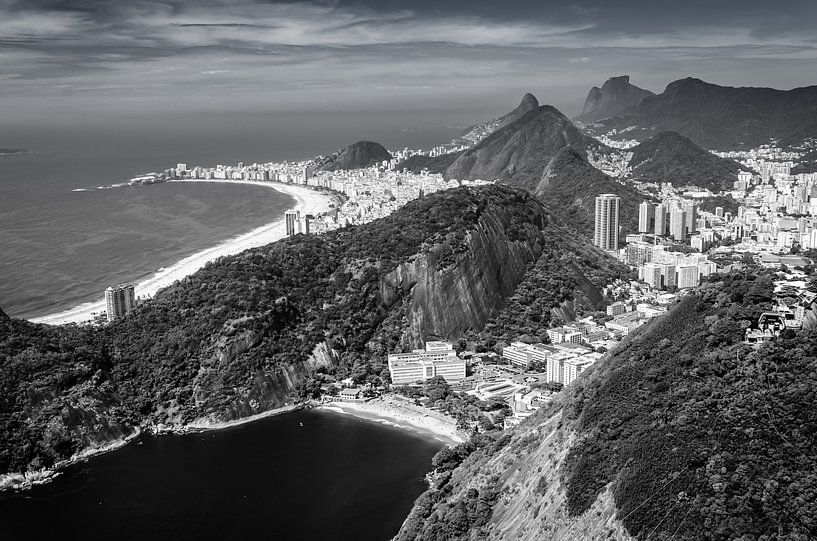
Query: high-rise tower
(606, 232)
(646, 215)
(119, 301)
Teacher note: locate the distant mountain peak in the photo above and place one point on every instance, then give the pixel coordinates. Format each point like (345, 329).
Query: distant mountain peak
(718, 117)
(615, 97)
(475, 134)
(356, 156)
(528, 102)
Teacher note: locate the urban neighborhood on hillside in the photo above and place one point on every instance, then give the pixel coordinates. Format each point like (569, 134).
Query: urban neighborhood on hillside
(768, 219)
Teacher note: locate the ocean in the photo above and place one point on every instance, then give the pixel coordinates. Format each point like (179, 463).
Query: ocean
(308, 475)
(60, 247)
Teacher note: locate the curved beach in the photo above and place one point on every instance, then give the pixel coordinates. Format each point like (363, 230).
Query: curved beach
(308, 201)
(394, 413)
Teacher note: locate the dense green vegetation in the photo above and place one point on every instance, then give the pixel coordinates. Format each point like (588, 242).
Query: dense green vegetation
(703, 436)
(569, 187)
(432, 164)
(697, 434)
(469, 411)
(671, 157)
(806, 164)
(233, 339)
(558, 276)
(728, 203)
(435, 515)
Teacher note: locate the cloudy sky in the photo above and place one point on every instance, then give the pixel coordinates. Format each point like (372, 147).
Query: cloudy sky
(267, 55)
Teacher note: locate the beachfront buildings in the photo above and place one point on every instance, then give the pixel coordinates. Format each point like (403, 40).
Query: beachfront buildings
(295, 223)
(606, 226)
(437, 359)
(119, 301)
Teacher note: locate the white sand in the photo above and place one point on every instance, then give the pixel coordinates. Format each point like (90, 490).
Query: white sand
(392, 412)
(309, 202)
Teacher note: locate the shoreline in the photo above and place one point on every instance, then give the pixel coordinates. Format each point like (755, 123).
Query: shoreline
(307, 200)
(24, 481)
(386, 412)
(392, 413)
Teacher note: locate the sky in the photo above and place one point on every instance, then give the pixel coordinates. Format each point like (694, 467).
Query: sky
(65, 59)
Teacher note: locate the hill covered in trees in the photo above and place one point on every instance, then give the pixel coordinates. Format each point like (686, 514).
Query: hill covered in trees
(261, 329)
(671, 157)
(356, 156)
(682, 432)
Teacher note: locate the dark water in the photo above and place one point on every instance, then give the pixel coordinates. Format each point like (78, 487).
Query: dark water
(334, 478)
(60, 248)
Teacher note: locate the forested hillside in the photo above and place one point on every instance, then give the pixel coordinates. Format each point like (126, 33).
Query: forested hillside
(255, 331)
(683, 432)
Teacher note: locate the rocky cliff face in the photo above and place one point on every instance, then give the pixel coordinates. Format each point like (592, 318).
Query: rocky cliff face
(615, 97)
(449, 295)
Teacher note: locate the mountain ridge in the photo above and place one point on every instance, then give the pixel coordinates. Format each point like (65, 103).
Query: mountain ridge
(616, 96)
(720, 117)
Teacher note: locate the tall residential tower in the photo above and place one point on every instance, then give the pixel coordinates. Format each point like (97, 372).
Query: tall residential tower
(119, 301)
(606, 232)
(646, 217)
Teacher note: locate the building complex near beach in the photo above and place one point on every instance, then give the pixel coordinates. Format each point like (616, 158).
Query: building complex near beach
(437, 359)
(119, 301)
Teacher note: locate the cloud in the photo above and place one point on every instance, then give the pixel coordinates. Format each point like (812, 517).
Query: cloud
(340, 52)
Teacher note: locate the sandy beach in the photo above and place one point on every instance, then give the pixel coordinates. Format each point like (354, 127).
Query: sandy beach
(392, 412)
(308, 202)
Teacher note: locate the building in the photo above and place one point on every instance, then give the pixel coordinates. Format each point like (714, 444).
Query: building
(559, 335)
(606, 224)
(625, 323)
(688, 276)
(691, 218)
(525, 355)
(646, 217)
(352, 394)
(292, 219)
(677, 223)
(616, 309)
(660, 220)
(119, 301)
(437, 359)
(638, 253)
(651, 275)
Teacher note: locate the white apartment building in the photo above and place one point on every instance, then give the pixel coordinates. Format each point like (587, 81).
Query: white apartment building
(119, 301)
(437, 359)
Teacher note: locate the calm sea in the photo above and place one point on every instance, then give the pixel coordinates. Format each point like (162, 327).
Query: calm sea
(60, 247)
(302, 476)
